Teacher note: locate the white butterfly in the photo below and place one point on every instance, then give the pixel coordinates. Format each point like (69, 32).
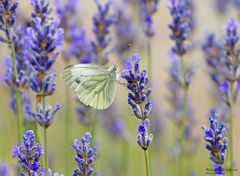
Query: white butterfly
(94, 85)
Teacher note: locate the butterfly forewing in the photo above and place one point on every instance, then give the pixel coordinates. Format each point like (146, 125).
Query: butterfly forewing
(95, 86)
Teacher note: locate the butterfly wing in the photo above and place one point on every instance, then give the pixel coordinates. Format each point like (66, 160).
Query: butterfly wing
(93, 85)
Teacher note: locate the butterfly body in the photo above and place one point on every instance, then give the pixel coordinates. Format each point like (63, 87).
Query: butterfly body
(94, 85)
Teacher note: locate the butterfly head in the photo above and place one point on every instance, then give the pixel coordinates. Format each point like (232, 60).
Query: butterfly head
(114, 68)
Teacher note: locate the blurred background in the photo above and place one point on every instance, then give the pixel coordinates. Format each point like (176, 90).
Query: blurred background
(116, 128)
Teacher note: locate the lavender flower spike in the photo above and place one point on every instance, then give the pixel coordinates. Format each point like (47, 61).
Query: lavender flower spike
(180, 26)
(45, 117)
(144, 139)
(102, 22)
(42, 40)
(137, 83)
(217, 141)
(28, 154)
(85, 156)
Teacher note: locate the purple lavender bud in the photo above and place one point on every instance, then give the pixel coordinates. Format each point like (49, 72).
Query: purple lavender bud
(42, 84)
(41, 9)
(219, 170)
(225, 91)
(7, 17)
(216, 138)
(28, 153)
(148, 109)
(128, 65)
(45, 116)
(85, 156)
(232, 34)
(137, 84)
(144, 139)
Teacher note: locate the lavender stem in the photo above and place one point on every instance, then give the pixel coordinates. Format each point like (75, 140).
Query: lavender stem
(18, 99)
(147, 162)
(68, 129)
(145, 151)
(184, 122)
(45, 139)
(149, 63)
(231, 116)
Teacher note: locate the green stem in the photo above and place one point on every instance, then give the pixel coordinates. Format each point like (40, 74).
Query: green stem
(149, 56)
(145, 151)
(68, 129)
(125, 160)
(147, 163)
(37, 135)
(231, 116)
(184, 122)
(45, 139)
(18, 95)
(45, 150)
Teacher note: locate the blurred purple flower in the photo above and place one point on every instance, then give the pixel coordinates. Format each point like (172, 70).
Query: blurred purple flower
(79, 46)
(180, 26)
(126, 33)
(102, 21)
(236, 3)
(85, 156)
(213, 52)
(222, 5)
(29, 153)
(67, 13)
(83, 113)
(148, 8)
(7, 19)
(114, 123)
(22, 64)
(4, 170)
(176, 85)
